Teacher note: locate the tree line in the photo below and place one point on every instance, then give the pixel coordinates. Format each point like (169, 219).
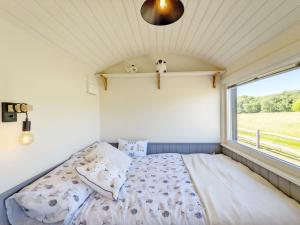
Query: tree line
(288, 101)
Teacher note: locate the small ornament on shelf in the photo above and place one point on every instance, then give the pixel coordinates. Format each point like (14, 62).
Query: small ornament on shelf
(161, 66)
(131, 68)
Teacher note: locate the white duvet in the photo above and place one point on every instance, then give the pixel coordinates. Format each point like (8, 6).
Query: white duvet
(158, 191)
(232, 194)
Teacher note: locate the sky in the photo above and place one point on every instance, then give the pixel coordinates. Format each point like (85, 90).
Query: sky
(284, 82)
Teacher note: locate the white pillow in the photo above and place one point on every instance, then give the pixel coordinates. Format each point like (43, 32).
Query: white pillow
(103, 176)
(107, 152)
(133, 148)
(55, 196)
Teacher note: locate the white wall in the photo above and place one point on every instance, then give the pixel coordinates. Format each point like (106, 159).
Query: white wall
(65, 118)
(186, 109)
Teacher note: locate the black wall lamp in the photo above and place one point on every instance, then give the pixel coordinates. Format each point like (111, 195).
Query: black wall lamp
(9, 114)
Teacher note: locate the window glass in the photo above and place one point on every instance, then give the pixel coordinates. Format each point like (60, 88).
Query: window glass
(265, 115)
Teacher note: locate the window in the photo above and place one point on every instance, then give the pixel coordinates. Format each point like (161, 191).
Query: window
(264, 114)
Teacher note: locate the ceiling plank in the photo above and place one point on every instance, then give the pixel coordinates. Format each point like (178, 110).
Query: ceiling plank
(103, 33)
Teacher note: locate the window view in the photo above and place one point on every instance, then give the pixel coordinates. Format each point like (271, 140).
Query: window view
(268, 115)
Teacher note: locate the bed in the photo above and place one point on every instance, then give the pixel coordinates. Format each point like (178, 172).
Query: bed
(171, 188)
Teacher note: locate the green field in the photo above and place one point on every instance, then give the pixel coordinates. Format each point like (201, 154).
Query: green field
(287, 123)
(284, 123)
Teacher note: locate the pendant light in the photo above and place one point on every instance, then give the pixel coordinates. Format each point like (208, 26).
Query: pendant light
(162, 12)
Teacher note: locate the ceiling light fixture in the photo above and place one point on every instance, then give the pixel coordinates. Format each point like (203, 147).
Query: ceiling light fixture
(162, 12)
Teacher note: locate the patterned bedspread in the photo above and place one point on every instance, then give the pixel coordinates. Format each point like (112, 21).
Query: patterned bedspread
(158, 191)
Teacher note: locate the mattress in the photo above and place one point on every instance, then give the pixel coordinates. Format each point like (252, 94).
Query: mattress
(158, 191)
(233, 194)
(171, 188)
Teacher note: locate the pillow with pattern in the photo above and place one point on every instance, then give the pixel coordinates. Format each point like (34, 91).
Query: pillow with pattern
(56, 196)
(105, 151)
(133, 148)
(103, 176)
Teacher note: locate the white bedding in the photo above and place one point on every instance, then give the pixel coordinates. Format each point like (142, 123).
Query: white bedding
(234, 195)
(107, 171)
(56, 181)
(17, 216)
(158, 191)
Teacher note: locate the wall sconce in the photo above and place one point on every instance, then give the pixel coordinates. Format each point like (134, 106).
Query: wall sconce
(9, 114)
(26, 137)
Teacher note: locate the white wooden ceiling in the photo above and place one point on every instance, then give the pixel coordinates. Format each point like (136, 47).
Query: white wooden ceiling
(105, 32)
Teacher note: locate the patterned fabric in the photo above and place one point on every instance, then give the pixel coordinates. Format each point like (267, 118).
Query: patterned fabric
(103, 176)
(57, 195)
(158, 191)
(85, 151)
(133, 148)
(105, 151)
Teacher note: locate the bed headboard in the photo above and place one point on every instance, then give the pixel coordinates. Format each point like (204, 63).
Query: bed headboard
(181, 148)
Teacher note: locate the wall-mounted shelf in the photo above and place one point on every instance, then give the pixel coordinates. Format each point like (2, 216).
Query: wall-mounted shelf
(214, 74)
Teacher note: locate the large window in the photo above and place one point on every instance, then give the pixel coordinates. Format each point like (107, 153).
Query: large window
(264, 114)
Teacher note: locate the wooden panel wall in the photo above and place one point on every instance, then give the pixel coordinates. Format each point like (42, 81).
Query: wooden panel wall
(181, 148)
(290, 189)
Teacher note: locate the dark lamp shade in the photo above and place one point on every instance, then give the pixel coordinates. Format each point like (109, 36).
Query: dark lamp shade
(162, 12)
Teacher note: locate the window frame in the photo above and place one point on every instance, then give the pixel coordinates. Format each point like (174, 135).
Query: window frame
(276, 165)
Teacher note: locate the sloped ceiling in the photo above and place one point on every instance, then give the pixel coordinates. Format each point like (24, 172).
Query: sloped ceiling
(175, 63)
(105, 32)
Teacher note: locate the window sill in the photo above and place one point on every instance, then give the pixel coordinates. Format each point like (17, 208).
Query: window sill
(284, 169)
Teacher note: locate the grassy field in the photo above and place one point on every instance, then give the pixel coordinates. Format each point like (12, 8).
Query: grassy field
(273, 139)
(279, 123)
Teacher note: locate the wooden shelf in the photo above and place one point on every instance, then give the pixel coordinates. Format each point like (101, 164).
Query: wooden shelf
(214, 74)
(168, 74)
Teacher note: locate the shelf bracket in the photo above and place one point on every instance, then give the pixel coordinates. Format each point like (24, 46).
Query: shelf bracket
(214, 78)
(104, 81)
(158, 80)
